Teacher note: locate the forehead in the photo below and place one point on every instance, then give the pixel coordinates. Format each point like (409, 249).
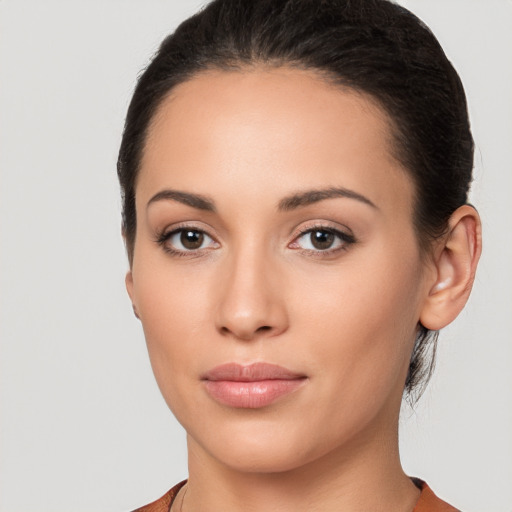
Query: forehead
(285, 125)
(283, 100)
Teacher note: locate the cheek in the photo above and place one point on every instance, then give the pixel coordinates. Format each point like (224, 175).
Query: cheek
(168, 299)
(363, 322)
(174, 313)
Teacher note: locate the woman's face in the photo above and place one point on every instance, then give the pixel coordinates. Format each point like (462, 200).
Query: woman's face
(274, 226)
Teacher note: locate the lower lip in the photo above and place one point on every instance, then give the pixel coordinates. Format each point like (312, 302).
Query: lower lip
(251, 395)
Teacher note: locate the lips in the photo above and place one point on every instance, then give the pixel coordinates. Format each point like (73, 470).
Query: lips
(252, 386)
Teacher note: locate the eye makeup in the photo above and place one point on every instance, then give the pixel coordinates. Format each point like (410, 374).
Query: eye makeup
(316, 240)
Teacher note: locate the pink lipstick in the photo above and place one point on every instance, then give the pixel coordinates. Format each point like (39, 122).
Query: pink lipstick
(252, 386)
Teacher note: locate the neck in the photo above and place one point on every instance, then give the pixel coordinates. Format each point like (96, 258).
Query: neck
(368, 476)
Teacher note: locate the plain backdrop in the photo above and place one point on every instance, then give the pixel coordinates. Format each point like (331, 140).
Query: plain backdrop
(83, 426)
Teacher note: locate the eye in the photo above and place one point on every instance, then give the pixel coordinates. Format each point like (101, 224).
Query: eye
(186, 240)
(323, 239)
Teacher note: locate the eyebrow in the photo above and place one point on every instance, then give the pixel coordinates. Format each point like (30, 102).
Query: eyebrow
(288, 203)
(314, 196)
(195, 200)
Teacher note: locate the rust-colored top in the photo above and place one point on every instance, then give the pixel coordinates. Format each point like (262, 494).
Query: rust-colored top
(427, 502)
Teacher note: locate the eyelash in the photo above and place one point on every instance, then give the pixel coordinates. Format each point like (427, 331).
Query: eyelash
(165, 236)
(347, 239)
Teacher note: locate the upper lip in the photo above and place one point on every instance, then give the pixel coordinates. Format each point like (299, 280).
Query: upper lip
(250, 373)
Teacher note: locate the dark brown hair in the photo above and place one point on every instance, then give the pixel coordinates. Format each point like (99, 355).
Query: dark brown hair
(373, 46)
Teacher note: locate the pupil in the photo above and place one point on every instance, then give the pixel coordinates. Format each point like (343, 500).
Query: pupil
(322, 239)
(192, 239)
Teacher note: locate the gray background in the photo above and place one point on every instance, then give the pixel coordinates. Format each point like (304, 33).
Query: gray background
(83, 426)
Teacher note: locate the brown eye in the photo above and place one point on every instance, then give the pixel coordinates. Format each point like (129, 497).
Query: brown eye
(191, 239)
(187, 240)
(322, 240)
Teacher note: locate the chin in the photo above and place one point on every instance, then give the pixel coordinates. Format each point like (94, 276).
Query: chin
(262, 459)
(261, 446)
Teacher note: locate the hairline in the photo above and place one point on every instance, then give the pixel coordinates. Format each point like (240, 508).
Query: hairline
(394, 135)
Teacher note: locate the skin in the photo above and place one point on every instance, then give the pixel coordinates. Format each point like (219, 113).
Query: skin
(258, 290)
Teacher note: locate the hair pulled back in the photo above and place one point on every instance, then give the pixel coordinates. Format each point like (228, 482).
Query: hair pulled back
(372, 46)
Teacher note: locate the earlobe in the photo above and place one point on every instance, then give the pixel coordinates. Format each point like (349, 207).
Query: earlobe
(455, 266)
(129, 288)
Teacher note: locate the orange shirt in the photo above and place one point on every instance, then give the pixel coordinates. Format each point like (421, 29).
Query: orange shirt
(427, 502)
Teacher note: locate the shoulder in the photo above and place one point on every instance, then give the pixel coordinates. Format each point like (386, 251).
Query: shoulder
(164, 503)
(429, 502)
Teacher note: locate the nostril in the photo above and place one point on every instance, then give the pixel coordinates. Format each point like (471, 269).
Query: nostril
(246, 334)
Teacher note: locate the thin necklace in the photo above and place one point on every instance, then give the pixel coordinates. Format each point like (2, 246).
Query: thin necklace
(183, 498)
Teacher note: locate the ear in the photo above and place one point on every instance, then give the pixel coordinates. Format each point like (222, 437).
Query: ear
(455, 266)
(129, 288)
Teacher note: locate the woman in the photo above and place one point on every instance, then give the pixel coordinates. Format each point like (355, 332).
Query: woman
(295, 178)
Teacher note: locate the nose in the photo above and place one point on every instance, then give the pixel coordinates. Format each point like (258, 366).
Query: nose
(251, 304)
